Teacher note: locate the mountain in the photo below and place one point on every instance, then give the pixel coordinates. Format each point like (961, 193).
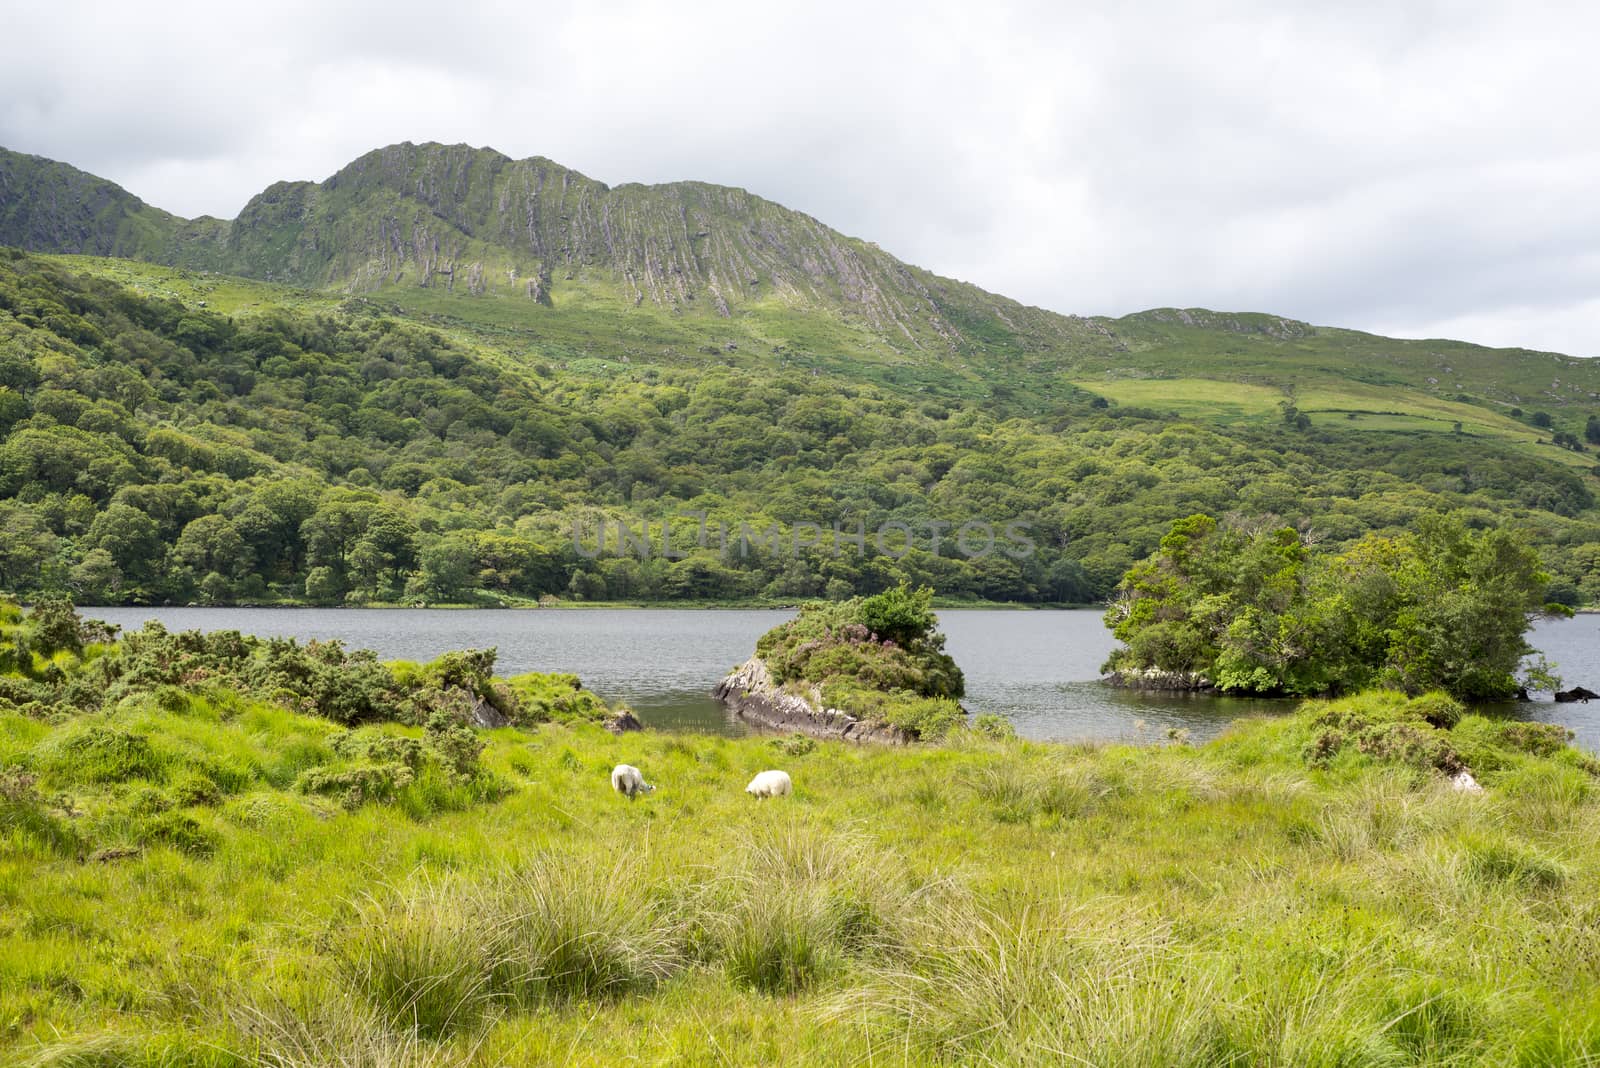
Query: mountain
(678, 272)
(473, 221)
(418, 378)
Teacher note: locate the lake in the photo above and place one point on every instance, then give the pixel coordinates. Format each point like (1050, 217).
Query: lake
(1039, 669)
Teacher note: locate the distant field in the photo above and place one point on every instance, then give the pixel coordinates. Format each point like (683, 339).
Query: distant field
(222, 293)
(1202, 398)
(1330, 405)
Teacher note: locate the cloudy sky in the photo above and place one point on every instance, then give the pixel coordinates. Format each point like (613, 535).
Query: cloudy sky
(1419, 169)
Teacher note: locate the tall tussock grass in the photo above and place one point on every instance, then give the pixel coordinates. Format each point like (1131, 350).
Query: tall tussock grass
(421, 957)
(799, 904)
(567, 930)
(435, 956)
(1035, 983)
(323, 1027)
(122, 1051)
(1019, 791)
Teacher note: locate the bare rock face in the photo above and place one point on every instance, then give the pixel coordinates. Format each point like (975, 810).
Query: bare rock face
(621, 721)
(484, 714)
(752, 695)
(1161, 681)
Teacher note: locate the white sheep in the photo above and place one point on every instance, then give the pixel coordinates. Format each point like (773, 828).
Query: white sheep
(628, 781)
(770, 784)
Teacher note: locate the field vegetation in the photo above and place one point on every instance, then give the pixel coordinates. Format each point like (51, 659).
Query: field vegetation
(178, 888)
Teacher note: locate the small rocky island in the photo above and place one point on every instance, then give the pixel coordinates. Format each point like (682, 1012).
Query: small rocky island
(867, 669)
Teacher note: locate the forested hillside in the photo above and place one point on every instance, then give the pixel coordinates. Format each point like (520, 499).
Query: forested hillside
(295, 447)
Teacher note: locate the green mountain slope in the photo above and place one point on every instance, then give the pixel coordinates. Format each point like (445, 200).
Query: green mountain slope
(682, 273)
(173, 435)
(442, 359)
(473, 221)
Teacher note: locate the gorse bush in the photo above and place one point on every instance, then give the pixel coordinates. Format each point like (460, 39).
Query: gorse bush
(136, 742)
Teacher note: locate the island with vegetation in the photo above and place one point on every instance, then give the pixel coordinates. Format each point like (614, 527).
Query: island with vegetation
(217, 852)
(1249, 607)
(866, 669)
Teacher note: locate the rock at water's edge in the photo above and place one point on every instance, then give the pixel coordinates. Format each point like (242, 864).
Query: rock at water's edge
(486, 715)
(623, 720)
(1157, 680)
(752, 695)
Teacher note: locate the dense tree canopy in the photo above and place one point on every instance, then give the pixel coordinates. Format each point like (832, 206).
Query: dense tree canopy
(1255, 609)
(151, 451)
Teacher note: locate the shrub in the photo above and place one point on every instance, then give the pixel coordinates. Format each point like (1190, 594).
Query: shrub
(991, 725)
(1540, 739)
(1380, 726)
(457, 745)
(900, 615)
(356, 785)
(24, 811)
(795, 745)
(927, 719)
(1437, 709)
(181, 831)
(100, 753)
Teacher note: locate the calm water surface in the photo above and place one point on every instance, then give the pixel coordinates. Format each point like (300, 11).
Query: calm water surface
(1039, 669)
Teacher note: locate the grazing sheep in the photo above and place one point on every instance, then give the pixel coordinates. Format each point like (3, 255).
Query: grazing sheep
(628, 781)
(770, 784)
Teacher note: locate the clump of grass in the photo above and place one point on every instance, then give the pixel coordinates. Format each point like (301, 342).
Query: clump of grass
(799, 904)
(321, 1027)
(25, 812)
(100, 753)
(994, 726)
(179, 830)
(1385, 813)
(564, 929)
(1496, 859)
(1433, 1022)
(1019, 791)
(1041, 984)
(433, 957)
(123, 1051)
(420, 958)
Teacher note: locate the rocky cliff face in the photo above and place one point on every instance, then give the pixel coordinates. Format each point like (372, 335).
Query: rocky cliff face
(750, 692)
(52, 207)
(471, 220)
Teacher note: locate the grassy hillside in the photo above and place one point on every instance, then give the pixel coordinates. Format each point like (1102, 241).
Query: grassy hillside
(201, 876)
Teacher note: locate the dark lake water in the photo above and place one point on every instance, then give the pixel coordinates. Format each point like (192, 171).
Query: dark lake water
(1039, 669)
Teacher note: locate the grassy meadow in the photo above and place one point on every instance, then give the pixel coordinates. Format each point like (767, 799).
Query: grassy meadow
(1307, 890)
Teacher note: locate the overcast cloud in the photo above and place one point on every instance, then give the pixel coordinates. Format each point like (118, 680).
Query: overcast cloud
(1418, 169)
